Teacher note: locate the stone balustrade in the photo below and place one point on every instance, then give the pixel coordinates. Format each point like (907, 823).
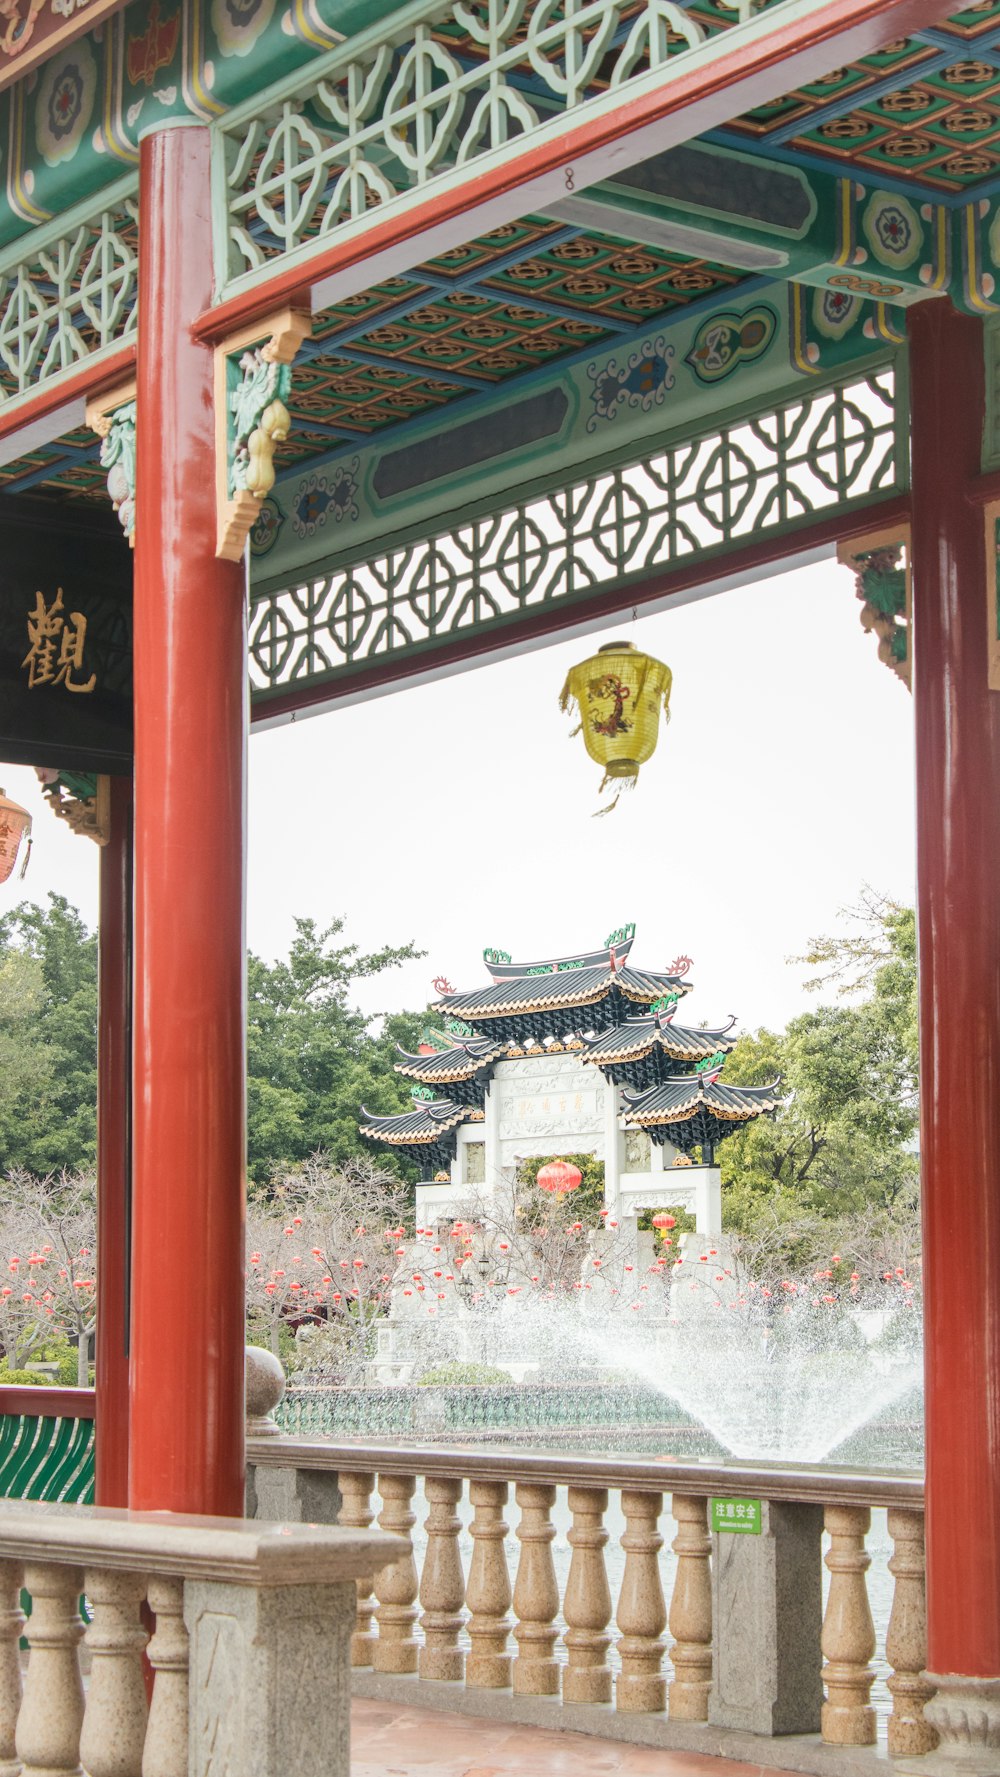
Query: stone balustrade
(725, 1648)
(250, 1620)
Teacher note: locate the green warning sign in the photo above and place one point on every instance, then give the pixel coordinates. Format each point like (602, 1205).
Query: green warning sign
(739, 1515)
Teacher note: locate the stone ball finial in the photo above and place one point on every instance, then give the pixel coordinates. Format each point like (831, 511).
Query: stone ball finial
(265, 1389)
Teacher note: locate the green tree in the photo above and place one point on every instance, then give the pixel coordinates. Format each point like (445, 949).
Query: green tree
(48, 1038)
(843, 1140)
(313, 1057)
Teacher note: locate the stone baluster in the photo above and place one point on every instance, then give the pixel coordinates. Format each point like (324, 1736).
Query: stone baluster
(691, 1611)
(910, 1735)
(587, 1604)
(396, 1585)
(442, 1583)
(356, 1514)
(48, 1727)
(114, 1720)
(11, 1624)
(642, 1613)
(536, 1594)
(488, 1594)
(166, 1750)
(848, 1632)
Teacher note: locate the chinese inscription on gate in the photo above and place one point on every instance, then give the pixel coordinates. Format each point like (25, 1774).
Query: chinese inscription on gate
(56, 638)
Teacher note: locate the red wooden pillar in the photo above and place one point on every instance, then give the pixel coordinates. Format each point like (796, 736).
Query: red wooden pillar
(958, 894)
(114, 1063)
(190, 752)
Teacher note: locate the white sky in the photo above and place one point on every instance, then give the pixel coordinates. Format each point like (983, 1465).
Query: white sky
(458, 814)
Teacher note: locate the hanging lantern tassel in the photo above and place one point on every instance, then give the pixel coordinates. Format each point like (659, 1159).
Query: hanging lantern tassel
(15, 824)
(618, 693)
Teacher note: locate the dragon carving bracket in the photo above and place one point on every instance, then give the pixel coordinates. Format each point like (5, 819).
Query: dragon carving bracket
(252, 384)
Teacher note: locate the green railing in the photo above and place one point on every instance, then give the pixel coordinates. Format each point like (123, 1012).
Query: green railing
(47, 1444)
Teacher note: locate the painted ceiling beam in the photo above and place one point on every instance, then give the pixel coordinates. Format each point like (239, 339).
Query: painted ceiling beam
(599, 211)
(742, 209)
(736, 70)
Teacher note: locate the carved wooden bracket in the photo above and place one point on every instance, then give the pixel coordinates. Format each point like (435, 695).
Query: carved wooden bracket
(881, 562)
(252, 380)
(89, 816)
(112, 417)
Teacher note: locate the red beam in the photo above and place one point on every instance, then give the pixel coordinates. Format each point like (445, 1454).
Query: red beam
(694, 98)
(47, 1403)
(469, 646)
(89, 380)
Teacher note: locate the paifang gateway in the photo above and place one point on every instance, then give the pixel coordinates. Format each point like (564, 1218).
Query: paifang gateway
(574, 1054)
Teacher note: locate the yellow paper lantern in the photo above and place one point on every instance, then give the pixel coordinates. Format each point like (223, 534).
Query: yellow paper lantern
(15, 822)
(619, 693)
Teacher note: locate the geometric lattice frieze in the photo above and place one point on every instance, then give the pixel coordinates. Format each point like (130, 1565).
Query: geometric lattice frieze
(447, 84)
(71, 295)
(832, 447)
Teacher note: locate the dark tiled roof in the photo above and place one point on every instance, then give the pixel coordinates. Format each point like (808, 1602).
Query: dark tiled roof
(638, 1037)
(464, 1070)
(475, 1055)
(685, 1109)
(425, 1123)
(429, 1131)
(565, 990)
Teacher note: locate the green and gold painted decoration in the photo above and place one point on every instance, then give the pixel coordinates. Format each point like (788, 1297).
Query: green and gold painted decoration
(710, 1064)
(726, 340)
(621, 935)
(253, 383)
(882, 582)
(113, 419)
(82, 799)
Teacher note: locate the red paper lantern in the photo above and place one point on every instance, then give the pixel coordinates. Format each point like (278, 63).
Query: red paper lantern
(560, 1176)
(15, 822)
(664, 1221)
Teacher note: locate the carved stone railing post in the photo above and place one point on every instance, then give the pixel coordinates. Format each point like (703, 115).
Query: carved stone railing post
(642, 1613)
(356, 1514)
(848, 1632)
(166, 1749)
(488, 1594)
(48, 1727)
(254, 1680)
(536, 1594)
(909, 1734)
(396, 1586)
(114, 1721)
(11, 1624)
(691, 1611)
(442, 1583)
(587, 1604)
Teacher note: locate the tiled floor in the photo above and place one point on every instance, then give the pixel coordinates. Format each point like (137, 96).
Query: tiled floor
(395, 1741)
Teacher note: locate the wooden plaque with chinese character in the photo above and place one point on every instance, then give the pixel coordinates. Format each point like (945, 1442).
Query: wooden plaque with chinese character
(65, 638)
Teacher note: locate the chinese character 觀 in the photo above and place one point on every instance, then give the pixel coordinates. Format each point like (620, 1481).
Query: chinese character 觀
(56, 638)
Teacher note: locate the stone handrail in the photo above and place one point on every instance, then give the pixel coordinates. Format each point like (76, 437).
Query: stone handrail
(237, 1606)
(740, 1653)
(557, 1468)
